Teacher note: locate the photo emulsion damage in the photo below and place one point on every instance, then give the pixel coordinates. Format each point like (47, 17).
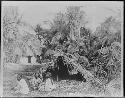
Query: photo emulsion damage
(62, 49)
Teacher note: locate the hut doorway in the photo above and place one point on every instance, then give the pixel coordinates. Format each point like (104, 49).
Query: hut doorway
(61, 71)
(62, 68)
(29, 59)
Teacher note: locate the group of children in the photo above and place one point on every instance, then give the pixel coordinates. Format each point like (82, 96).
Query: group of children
(34, 83)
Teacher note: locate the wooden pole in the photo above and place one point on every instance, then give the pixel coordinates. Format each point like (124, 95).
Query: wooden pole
(57, 74)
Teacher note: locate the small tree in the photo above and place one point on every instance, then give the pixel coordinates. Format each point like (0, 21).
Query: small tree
(69, 23)
(109, 31)
(76, 19)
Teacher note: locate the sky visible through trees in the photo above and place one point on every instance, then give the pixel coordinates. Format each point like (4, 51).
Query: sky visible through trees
(37, 12)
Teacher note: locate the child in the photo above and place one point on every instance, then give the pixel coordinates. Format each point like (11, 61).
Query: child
(22, 86)
(49, 86)
(35, 81)
(41, 72)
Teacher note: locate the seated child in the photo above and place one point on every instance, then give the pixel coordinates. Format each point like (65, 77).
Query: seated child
(49, 84)
(35, 81)
(22, 86)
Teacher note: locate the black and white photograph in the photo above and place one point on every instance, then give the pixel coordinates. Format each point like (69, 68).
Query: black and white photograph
(61, 49)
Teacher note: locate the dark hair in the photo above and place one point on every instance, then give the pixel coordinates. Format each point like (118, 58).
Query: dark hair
(19, 77)
(48, 75)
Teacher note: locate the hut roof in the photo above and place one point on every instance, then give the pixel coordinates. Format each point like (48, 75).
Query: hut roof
(18, 51)
(29, 52)
(25, 28)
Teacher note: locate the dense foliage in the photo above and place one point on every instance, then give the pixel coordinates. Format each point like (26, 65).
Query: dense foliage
(96, 54)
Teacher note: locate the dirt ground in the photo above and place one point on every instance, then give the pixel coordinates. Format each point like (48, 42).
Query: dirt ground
(64, 88)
